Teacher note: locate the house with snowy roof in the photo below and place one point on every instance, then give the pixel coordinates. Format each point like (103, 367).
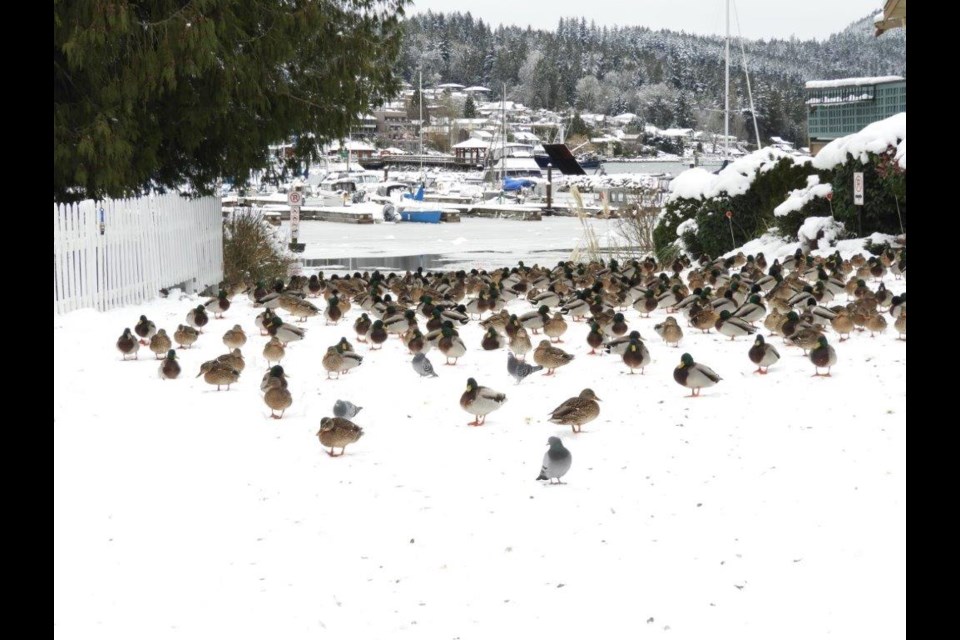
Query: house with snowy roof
(837, 108)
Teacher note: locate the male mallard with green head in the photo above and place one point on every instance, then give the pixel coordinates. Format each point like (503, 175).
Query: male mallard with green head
(450, 344)
(479, 401)
(169, 368)
(197, 318)
(636, 355)
(362, 326)
(694, 376)
(491, 340)
(285, 332)
(823, 356)
(763, 355)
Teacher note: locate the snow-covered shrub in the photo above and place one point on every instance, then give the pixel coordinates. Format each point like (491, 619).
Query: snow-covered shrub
(252, 249)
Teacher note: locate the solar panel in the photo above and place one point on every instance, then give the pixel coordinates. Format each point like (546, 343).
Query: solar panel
(562, 159)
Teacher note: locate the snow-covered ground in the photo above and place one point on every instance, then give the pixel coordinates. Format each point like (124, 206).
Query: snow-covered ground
(771, 507)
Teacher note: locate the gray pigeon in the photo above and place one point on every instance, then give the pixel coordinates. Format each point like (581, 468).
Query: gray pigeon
(423, 366)
(345, 409)
(520, 370)
(556, 461)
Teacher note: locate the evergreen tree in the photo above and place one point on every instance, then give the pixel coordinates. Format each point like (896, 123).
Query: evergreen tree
(469, 108)
(158, 93)
(413, 107)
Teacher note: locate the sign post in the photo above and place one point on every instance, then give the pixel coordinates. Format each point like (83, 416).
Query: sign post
(295, 199)
(858, 198)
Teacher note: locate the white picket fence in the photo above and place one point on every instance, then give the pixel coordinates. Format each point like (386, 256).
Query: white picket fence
(122, 252)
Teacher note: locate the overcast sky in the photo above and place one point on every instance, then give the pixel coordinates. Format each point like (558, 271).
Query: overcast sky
(758, 18)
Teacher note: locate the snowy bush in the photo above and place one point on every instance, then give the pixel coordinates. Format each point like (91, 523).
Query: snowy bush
(820, 233)
(749, 189)
(252, 249)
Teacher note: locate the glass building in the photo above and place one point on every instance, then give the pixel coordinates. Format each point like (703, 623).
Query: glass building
(836, 108)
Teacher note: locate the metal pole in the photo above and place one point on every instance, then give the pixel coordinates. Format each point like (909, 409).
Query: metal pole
(549, 187)
(421, 121)
(743, 56)
(726, 89)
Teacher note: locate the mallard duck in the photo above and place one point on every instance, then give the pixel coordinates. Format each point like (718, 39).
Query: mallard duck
(805, 338)
(219, 305)
(763, 355)
(401, 323)
(617, 346)
(299, 308)
(594, 338)
(450, 344)
(415, 342)
(218, 373)
(728, 325)
(704, 319)
(647, 304)
(351, 360)
(636, 355)
(550, 357)
(234, 360)
(843, 324)
(555, 327)
(127, 344)
(578, 308)
(536, 320)
(197, 318)
(823, 355)
(619, 326)
(145, 329)
(820, 315)
(694, 376)
(338, 432)
(277, 396)
(332, 313)
(752, 310)
(900, 324)
(378, 335)
(876, 323)
(169, 368)
(332, 361)
(263, 321)
(235, 338)
(479, 401)
(185, 336)
(669, 331)
(457, 315)
(160, 343)
(898, 305)
(277, 372)
(577, 411)
(500, 322)
(287, 333)
(273, 351)
(362, 326)
(520, 344)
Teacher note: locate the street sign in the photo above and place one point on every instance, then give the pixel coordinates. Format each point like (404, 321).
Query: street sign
(858, 187)
(295, 198)
(294, 221)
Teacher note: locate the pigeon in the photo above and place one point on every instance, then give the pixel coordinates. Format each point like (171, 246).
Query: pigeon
(423, 366)
(556, 461)
(345, 409)
(520, 370)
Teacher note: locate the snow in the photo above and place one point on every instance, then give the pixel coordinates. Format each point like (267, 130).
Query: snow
(812, 227)
(876, 137)
(850, 82)
(183, 511)
(733, 180)
(687, 225)
(800, 197)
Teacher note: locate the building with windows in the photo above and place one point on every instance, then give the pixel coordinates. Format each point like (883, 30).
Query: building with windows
(836, 108)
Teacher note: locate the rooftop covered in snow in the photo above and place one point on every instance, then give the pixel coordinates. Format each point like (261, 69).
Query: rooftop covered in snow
(851, 82)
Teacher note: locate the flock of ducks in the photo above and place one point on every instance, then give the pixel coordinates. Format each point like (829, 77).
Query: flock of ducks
(797, 300)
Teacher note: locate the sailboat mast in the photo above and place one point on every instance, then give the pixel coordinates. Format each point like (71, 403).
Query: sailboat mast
(746, 73)
(503, 132)
(726, 89)
(421, 120)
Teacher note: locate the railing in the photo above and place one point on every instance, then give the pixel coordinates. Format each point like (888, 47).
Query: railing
(121, 252)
